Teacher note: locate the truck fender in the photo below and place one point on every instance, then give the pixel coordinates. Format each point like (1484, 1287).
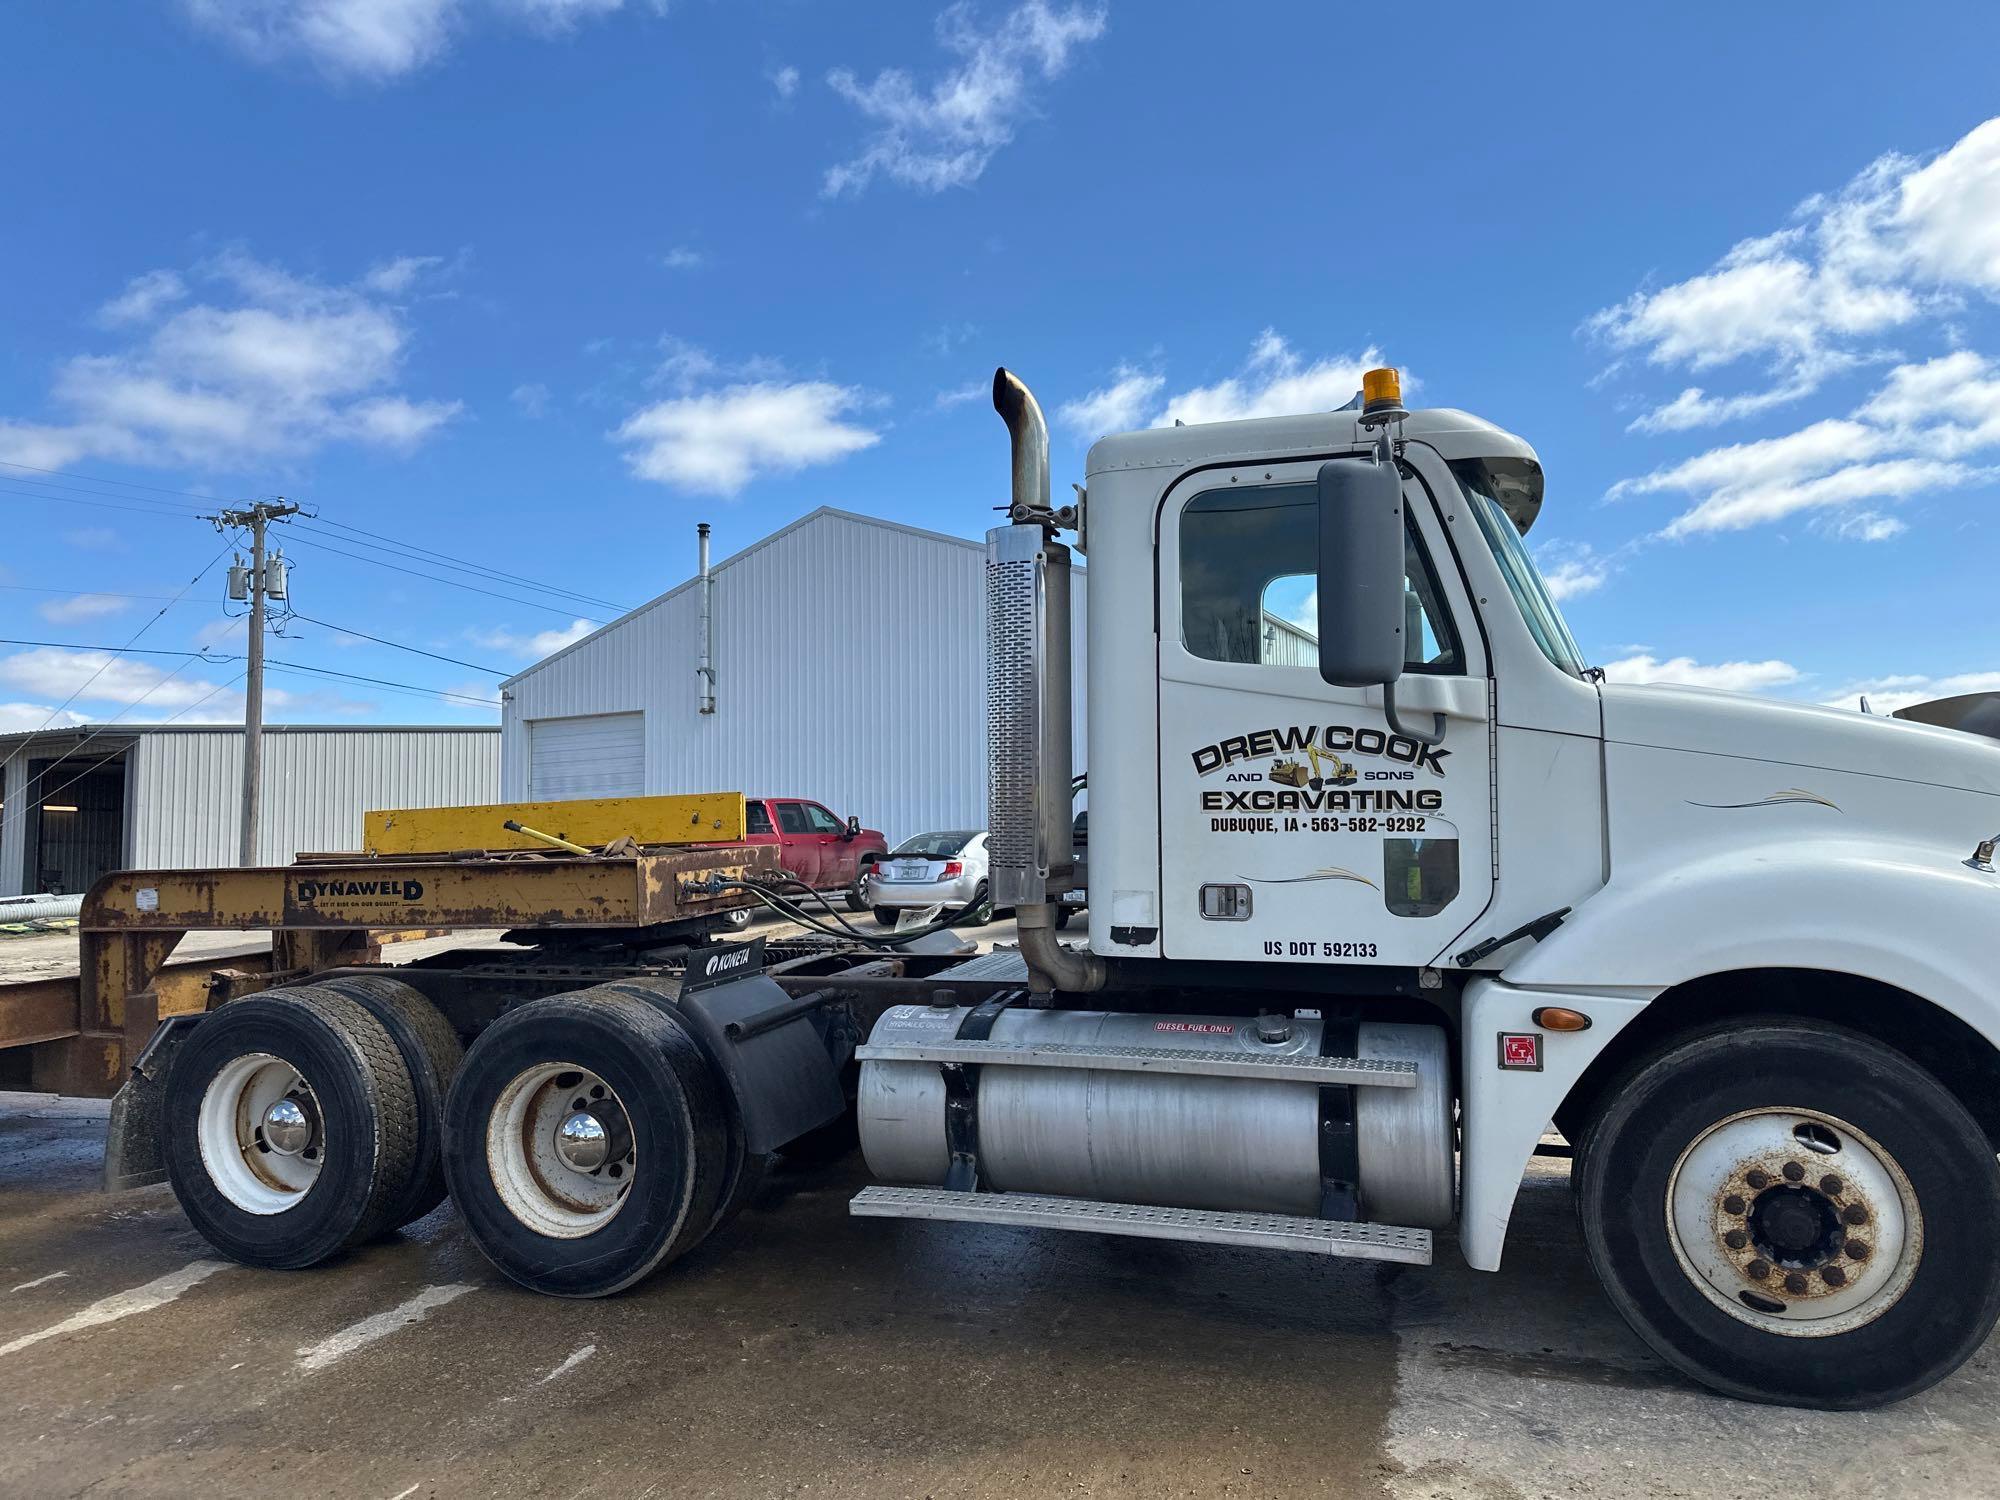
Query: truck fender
(1906, 916)
(1507, 1107)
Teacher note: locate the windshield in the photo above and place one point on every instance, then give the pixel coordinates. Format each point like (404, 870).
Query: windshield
(936, 845)
(1524, 580)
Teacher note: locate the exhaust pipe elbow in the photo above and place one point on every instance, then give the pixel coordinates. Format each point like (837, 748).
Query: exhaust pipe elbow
(1029, 430)
(1051, 966)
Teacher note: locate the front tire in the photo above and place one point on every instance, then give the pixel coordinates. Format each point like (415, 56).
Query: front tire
(291, 1128)
(519, 1155)
(1794, 1214)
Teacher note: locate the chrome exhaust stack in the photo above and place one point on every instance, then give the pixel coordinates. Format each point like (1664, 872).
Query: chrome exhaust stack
(1028, 743)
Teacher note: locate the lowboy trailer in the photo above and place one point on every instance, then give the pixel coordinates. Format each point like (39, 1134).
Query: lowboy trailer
(1739, 952)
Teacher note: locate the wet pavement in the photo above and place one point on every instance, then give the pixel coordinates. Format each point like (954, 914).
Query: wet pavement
(801, 1352)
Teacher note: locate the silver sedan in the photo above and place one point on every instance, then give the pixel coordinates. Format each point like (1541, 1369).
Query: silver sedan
(933, 869)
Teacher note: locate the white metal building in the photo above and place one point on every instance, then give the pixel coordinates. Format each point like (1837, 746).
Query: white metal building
(80, 801)
(849, 660)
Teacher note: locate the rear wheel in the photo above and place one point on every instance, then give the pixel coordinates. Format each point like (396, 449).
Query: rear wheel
(980, 911)
(587, 1142)
(1061, 918)
(291, 1128)
(432, 1052)
(885, 916)
(857, 894)
(1795, 1214)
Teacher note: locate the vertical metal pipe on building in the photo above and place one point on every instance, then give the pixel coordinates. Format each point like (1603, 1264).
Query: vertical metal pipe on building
(706, 671)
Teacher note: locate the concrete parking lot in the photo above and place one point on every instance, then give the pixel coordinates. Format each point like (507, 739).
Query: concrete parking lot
(803, 1353)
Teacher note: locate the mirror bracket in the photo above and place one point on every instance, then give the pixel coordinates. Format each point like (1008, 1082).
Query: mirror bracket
(1395, 718)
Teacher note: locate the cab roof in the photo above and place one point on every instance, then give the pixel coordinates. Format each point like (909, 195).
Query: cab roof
(1452, 433)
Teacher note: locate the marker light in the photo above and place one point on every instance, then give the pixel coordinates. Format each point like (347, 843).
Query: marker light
(57, 807)
(1381, 388)
(1561, 1018)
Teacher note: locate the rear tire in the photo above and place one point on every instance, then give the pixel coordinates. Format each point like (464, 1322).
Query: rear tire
(980, 911)
(885, 916)
(353, 1109)
(1794, 1213)
(857, 894)
(1062, 916)
(542, 1221)
(432, 1052)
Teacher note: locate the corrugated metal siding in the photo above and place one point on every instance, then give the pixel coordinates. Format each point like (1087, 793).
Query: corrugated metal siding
(849, 662)
(187, 788)
(13, 824)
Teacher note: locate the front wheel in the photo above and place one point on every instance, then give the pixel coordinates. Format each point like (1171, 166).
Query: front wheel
(1795, 1214)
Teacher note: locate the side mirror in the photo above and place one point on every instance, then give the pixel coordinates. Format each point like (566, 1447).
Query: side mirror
(853, 826)
(1361, 610)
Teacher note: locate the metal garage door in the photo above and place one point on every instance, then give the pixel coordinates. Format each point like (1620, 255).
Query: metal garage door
(602, 755)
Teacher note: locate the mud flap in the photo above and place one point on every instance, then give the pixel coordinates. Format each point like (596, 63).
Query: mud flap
(783, 1078)
(135, 1151)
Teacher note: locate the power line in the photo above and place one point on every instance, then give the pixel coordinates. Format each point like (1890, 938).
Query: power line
(398, 645)
(162, 514)
(453, 582)
(8, 640)
(415, 553)
(131, 484)
(76, 593)
(290, 666)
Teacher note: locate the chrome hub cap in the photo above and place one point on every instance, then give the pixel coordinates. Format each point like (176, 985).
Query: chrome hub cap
(1794, 1222)
(583, 1143)
(260, 1133)
(560, 1150)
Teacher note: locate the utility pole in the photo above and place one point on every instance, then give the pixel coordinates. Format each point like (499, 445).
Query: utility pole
(265, 578)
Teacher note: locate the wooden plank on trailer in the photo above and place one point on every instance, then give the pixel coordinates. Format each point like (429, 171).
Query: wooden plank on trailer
(695, 818)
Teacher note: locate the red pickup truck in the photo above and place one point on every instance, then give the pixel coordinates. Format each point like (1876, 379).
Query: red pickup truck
(814, 845)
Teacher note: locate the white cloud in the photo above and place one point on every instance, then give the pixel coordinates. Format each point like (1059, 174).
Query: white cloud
(683, 258)
(394, 277)
(374, 40)
(725, 426)
(1898, 250)
(1685, 671)
(100, 677)
(229, 630)
(79, 607)
(1571, 570)
(532, 647)
(942, 136)
(533, 400)
(269, 366)
(143, 298)
(1117, 407)
(1887, 694)
(960, 395)
(785, 81)
(17, 717)
(1275, 382)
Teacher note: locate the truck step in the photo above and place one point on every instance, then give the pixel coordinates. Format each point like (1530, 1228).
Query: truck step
(1195, 1225)
(1272, 1067)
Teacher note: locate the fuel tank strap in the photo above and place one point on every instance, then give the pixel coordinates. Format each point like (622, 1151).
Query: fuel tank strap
(1339, 1139)
(961, 1094)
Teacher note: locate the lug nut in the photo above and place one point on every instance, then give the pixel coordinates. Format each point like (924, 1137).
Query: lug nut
(1794, 1172)
(1734, 1204)
(1795, 1283)
(1758, 1269)
(1857, 1250)
(1854, 1214)
(1833, 1276)
(1736, 1239)
(1758, 1179)
(1832, 1186)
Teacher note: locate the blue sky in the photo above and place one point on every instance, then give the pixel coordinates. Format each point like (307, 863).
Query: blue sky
(535, 285)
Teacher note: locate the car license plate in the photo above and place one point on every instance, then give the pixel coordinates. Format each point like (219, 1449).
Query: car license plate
(912, 870)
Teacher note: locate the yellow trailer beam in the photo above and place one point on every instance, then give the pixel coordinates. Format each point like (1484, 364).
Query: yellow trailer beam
(701, 818)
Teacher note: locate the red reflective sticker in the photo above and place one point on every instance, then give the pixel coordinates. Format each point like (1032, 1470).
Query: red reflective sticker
(1521, 1049)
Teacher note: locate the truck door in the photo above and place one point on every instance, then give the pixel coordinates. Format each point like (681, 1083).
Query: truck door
(836, 849)
(799, 850)
(1295, 822)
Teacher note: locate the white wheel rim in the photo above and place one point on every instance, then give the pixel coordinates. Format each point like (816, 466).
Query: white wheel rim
(1827, 1215)
(229, 1130)
(525, 1151)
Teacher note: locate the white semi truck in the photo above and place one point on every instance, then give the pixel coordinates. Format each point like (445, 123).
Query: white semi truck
(1360, 929)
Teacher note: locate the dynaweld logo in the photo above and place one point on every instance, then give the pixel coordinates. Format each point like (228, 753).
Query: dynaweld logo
(389, 890)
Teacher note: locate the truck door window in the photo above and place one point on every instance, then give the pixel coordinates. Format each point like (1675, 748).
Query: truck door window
(791, 817)
(756, 818)
(823, 821)
(1244, 600)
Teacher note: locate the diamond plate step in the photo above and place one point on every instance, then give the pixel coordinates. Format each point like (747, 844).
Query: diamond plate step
(1272, 1067)
(1198, 1226)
